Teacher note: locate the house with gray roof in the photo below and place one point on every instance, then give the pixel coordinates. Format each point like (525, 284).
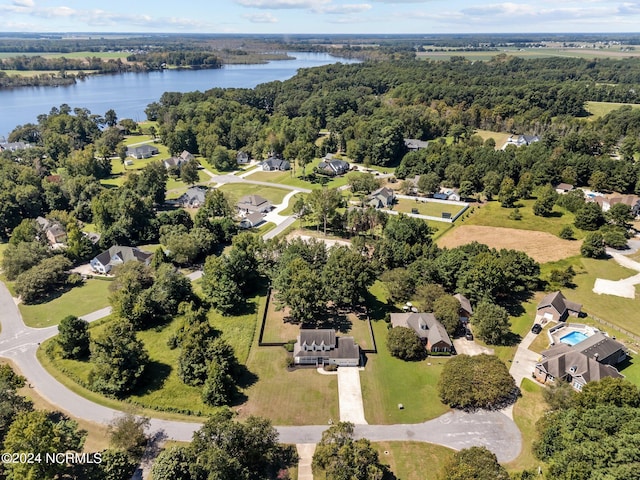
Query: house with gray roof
(54, 231)
(14, 146)
(253, 203)
(142, 151)
(466, 310)
(324, 347)
(592, 359)
(194, 197)
(556, 307)
(430, 331)
(274, 164)
(252, 220)
(521, 140)
(381, 198)
(333, 167)
(413, 144)
(242, 158)
(117, 255)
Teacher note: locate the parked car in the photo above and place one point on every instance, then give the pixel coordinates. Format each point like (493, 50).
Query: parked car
(468, 335)
(537, 328)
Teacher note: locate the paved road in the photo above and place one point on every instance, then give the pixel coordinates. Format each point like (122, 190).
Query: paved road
(456, 429)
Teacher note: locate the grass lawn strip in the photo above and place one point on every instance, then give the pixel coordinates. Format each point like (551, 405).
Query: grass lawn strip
(235, 191)
(413, 460)
(528, 409)
(89, 297)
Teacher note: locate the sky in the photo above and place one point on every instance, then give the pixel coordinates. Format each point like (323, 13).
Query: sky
(321, 16)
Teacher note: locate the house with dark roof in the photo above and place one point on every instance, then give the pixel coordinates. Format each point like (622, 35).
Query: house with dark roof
(173, 162)
(380, 198)
(590, 360)
(521, 140)
(242, 158)
(142, 151)
(194, 197)
(466, 310)
(253, 203)
(117, 255)
(413, 144)
(430, 331)
(556, 307)
(324, 347)
(333, 167)
(274, 164)
(252, 220)
(54, 231)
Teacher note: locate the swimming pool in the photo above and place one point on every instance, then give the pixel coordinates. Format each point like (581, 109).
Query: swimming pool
(573, 338)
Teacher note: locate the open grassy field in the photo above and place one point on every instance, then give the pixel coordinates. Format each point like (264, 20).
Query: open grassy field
(89, 297)
(298, 397)
(526, 412)
(433, 209)
(499, 137)
(541, 246)
(293, 179)
(492, 214)
(387, 381)
(413, 460)
(234, 191)
(600, 109)
(529, 53)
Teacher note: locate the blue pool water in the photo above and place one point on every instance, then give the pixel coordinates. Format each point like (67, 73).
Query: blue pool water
(573, 338)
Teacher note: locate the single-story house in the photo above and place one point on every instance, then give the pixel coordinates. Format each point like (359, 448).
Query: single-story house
(563, 188)
(413, 144)
(446, 193)
(380, 198)
(521, 140)
(54, 231)
(431, 332)
(466, 310)
(142, 151)
(14, 146)
(333, 167)
(117, 255)
(253, 203)
(173, 162)
(556, 307)
(242, 158)
(590, 360)
(252, 220)
(275, 164)
(193, 198)
(322, 347)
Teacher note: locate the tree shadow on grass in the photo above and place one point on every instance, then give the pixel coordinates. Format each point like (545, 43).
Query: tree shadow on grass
(244, 379)
(155, 375)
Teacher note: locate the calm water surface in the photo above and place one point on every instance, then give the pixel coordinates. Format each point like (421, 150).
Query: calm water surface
(130, 93)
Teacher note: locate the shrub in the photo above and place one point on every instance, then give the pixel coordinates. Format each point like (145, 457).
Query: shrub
(567, 233)
(405, 344)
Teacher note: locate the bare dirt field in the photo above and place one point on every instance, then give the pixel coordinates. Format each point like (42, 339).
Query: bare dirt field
(541, 246)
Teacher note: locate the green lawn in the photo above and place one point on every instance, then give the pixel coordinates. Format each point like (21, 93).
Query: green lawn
(387, 381)
(293, 179)
(235, 191)
(500, 137)
(526, 412)
(493, 215)
(433, 209)
(413, 460)
(78, 301)
(600, 109)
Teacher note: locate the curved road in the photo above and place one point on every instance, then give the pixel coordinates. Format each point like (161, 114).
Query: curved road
(454, 429)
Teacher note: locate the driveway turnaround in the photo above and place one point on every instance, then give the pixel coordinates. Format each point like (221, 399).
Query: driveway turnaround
(350, 396)
(455, 429)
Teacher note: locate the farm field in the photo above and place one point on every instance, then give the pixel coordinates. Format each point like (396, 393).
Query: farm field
(541, 246)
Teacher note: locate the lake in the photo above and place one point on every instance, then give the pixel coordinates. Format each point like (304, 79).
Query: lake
(130, 93)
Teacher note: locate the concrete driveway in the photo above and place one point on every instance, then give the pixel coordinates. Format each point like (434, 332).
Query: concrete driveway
(470, 347)
(350, 396)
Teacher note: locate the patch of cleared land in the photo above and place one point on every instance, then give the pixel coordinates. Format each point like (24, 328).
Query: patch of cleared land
(499, 137)
(541, 246)
(432, 209)
(600, 109)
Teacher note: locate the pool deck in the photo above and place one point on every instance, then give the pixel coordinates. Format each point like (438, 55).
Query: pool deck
(563, 329)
